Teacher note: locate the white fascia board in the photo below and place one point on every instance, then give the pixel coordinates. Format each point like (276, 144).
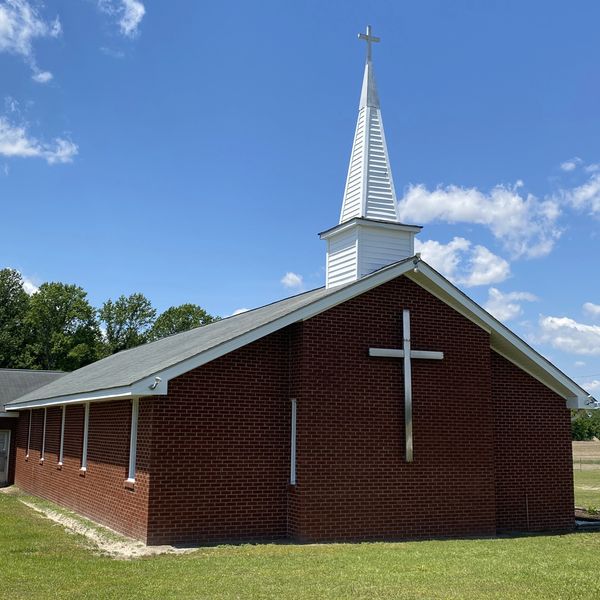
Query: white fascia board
(502, 340)
(118, 393)
(302, 314)
(157, 383)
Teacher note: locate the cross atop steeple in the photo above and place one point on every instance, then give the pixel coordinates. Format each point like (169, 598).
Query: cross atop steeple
(370, 39)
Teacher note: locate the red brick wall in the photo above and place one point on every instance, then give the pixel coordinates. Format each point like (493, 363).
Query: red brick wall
(216, 450)
(10, 423)
(100, 493)
(533, 452)
(221, 449)
(353, 481)
(222, 434)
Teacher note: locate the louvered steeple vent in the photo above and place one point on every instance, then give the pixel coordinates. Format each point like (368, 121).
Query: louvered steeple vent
(369, 236)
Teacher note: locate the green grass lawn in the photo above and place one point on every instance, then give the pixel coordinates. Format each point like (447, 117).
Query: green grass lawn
(38, 559)
(587, 488)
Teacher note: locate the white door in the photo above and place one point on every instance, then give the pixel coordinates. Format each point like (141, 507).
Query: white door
(4, 449)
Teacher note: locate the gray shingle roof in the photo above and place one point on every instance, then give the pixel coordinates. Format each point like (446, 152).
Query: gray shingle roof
(174, 355)
(130, 366)
(16, 382)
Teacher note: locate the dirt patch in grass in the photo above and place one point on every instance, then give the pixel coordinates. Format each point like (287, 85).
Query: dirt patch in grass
(104, 540)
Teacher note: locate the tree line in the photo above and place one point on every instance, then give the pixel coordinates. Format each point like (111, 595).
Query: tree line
(57, 328)
(585, 425)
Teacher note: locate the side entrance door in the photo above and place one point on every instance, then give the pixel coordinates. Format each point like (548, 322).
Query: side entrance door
(4, 450)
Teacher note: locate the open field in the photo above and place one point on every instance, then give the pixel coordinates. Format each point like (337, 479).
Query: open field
(40, 560)
(587, 488)
(586, 449)
(586, 456)
(586, 473)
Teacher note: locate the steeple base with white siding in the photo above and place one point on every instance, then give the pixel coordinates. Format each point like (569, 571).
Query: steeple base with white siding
(360, 246)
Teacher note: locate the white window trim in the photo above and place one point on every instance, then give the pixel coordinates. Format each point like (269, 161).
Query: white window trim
(293, 442)
(86, 427)
(44, 436)
(135, 407)
(62, 436)
(29, 433)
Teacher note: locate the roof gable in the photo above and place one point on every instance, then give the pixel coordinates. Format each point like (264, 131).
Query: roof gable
(146, 370)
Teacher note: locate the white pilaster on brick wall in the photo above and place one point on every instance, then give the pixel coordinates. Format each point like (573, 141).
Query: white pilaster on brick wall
(29, 433)
(86, 427)
(293, 443)
(135, 407)
(62, 436)
(43, 450)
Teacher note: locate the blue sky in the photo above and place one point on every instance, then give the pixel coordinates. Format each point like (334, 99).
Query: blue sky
(193, 150)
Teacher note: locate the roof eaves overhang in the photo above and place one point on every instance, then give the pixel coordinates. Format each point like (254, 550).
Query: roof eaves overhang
(105, 395)
(502, 340)
(157, 383)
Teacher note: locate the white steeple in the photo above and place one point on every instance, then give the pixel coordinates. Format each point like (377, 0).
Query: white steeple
(368, 236)
(369, 189)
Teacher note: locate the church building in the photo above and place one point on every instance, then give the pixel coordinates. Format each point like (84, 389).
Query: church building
(385, 405)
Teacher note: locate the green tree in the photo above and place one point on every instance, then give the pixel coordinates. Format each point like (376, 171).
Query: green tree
(63, 328)
(585, 425)
(180, 318)
(13, 309)
(127, 322)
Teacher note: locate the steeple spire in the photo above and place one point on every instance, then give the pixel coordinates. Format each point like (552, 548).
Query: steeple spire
(368, 96)
(369, 189)
(368, 236)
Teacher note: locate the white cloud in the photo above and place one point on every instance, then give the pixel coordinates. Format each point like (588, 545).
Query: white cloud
(592, 309)
(571, 164)
(463, 263)
(292, 280)
(133, 14)
(239, 311)
(525, 225)
(16, 142)
(29, 286)
(506, 306)
(20, 25)
(579, 363)
(585, 196)
(42, 76)
(568, 335)
(593, 387)
(11, 105)
(129, 14)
